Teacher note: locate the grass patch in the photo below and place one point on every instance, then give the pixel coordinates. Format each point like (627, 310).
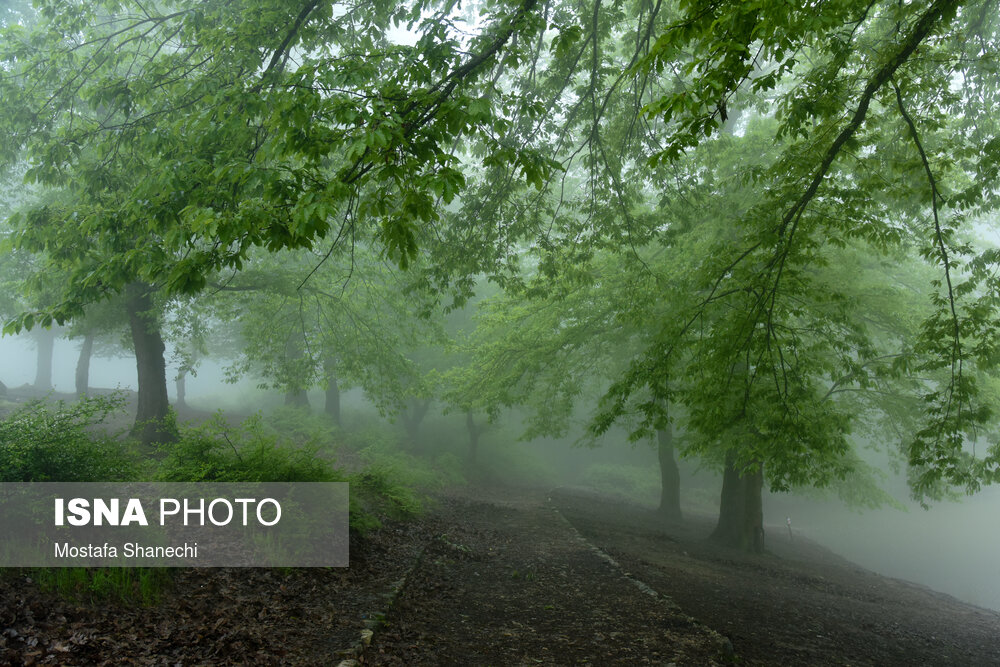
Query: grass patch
(130, 585)
(635, 483)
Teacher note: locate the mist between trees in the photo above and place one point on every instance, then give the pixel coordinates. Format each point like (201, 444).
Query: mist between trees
(757, 236)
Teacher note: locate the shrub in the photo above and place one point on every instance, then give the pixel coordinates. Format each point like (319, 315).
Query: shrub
(302, 426)
(250, 452)
(255, 451)
(59, 443)
(378, 490)
(381, 451)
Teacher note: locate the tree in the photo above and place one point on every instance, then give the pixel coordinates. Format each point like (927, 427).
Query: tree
(19, 270)
(101, 328)
(244, 127)
(328, 321)
(153, 419)
(205, 131)
(550, 349)
(895, 65)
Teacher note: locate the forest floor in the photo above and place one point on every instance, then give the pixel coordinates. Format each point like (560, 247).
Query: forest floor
(518, 577)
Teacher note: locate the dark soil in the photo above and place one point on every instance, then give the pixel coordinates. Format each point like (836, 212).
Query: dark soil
(799, 604)
(515, 577)
(512, 583)
(212, 616)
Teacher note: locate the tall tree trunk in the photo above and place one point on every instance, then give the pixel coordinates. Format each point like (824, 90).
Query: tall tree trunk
(474, 432)
(413, 417)
(741, 510)
(296, 397)
(180, 383)
(332, 406)
(295, 393)
(46, 341)
(83, 365)
(152, 423)
(670, 476)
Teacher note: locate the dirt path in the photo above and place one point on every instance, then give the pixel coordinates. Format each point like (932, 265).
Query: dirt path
(510, 582)
(800, 605)
(513, 577)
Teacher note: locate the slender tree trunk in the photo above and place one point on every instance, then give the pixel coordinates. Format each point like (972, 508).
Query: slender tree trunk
(332, 406)
(670, 477)
(43, 371)
(180, 383)
(474, 432)
(295, 394)
(83, 365)
(3, 389)
(741, 510)
(152, 423)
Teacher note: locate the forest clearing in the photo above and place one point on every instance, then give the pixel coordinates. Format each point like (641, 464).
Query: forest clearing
(499, 332)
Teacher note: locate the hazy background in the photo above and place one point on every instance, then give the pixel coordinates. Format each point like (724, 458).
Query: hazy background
(953, 547)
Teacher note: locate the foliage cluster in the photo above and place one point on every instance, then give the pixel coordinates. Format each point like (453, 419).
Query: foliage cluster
(754, 218)
(249, 452)
(65, 443)
(61, 443)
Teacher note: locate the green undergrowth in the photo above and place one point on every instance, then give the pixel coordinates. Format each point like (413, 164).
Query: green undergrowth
(503, 460)
(61, 442)
(393, 483)
(42, 442)
(252, 451)
(142, 585)
(636, 483)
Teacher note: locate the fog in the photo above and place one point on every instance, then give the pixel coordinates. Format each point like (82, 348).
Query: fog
(953, 547)
(561, 290)
(19, 356)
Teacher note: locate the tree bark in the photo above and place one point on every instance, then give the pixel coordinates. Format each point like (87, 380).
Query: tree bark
(670, 476)
(180, 383)
(296, 397)
(332, 406)
(295, 394)
(46, 341)
(152, 418)
(83, 365)
(413, 416)
(474, 432)
(741, 510)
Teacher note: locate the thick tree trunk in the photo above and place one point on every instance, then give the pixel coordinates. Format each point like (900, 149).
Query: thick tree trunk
(413, 417)
(670, 476)
(332, 406)
(83, 365)
(46, 341)
(296, 397)
(152, 423)
(741, 510)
